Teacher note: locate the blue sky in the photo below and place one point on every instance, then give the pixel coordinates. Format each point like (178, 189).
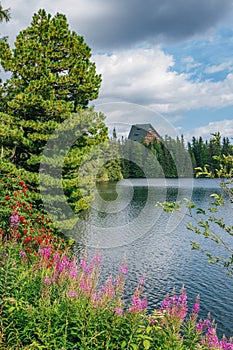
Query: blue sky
(174, 58)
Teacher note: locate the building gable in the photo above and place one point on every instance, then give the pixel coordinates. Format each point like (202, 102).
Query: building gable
(143, 133)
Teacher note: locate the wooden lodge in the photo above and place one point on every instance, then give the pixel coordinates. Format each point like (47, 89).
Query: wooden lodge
(143, 133)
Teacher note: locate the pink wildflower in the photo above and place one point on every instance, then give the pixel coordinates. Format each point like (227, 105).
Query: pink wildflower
(176, 306)
(211, 337)
(22, 254)
(108, 288)
(73, 269)
(56, 257)
(47, 280)
(45, 252)
(73, 273)
(85, 285)
(196, 307)
(97, 259)
(124, 270)
(88, 269)
(65, 261)
(83, 263)
(119, 311)
(138, 304)
(142, 280)
(14, 220)
(203, 325)
(225, 345)
(72, 294)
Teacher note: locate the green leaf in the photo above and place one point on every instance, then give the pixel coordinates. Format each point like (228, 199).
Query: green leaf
(146, 344)
(123, 345)
(133, 346)
(11, 309)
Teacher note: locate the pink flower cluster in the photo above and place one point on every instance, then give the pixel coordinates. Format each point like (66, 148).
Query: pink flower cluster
(210, 337)
(82, 280)
(14, 220)
(176, 306)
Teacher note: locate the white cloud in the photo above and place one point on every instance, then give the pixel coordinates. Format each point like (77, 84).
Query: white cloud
(219, 68)
(190, 63)
(135, 75)
(146, 77)
(225, 127)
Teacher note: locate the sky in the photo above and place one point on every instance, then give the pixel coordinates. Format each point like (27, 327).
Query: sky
(164, 62)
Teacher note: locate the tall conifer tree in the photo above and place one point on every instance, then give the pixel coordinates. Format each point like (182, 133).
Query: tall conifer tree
(52, 79)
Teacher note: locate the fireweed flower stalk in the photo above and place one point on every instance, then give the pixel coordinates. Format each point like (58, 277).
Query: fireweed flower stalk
(208, 336)
(138, 304)
(226, 345)
(195, 309)
(88, 276)
(106, 294)
(81, 280)
(176, 306)
(119, 287)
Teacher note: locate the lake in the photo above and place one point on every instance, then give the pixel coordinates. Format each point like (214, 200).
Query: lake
(125, 221)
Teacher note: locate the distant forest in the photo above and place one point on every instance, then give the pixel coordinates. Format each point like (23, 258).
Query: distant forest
(169, 157)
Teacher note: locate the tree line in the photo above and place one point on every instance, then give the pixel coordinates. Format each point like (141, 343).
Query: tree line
(169, 157)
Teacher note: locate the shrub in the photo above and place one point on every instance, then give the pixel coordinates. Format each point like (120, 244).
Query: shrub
(21, 222)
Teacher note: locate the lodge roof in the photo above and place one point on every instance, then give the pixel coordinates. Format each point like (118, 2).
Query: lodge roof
(139, 131)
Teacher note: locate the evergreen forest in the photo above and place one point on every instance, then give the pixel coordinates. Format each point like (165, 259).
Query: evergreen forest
(169, 157)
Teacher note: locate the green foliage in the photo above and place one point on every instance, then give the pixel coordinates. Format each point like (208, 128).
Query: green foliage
(170, 158)
(74, 149)
(207, 157)
(111, 169)
(165, 158)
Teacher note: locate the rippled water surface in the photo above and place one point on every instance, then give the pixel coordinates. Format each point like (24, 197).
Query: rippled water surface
(124, 221)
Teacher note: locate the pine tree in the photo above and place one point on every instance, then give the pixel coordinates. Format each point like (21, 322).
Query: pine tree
(226, 146)
(214, 149)
(4, 14)
(152, 167)
(113, 166)
(52, 76)
(52, 80)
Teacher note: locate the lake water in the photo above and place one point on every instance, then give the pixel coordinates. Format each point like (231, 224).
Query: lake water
(124, 221)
